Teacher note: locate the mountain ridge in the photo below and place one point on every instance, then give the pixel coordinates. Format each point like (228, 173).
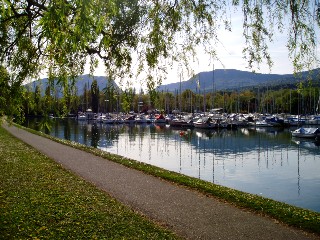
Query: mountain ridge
(220, 79)
(80, 82)
(231, 79)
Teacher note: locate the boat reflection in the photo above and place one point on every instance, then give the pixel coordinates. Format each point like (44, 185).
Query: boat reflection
(307, 143)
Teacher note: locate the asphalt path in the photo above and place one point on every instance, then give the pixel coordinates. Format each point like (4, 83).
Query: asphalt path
(188, 213)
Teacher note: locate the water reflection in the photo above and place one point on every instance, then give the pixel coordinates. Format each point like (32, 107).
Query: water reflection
(262, 161)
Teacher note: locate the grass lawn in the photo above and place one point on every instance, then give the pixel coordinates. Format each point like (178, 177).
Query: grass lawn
(41, 200)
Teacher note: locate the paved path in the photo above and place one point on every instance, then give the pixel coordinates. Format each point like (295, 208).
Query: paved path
(188, 213)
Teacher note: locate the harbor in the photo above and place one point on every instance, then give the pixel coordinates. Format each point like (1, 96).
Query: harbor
(266, 161)
(215, 118)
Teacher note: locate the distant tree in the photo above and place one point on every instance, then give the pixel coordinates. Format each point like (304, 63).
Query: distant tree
(28, 102)
(127, 99)
(95, 93)
(85, 98)
(38, 100)
(110, 96)
(48, 100)
(75, 100)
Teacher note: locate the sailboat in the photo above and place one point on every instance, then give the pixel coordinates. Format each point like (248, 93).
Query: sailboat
(306, 132)
(205, 123)
(181, 122)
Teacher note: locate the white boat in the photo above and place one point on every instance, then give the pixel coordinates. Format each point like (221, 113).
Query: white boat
(129, 120)
(81, 116)
(295, 121)
(315, 120)
(100, 118)
(181, 123)
(260, 123)
(90, 114)
(141, 119)
(205, 123)
(108, 120)
(306, 132)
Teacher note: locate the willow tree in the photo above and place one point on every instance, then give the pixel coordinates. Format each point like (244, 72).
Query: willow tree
(61, 36)
(10, 96)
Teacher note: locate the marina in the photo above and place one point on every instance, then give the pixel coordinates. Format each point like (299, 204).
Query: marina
(212, 118)
(266, 161)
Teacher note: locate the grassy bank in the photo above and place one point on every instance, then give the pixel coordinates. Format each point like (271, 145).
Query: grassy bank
(41, 200)
(293, 216)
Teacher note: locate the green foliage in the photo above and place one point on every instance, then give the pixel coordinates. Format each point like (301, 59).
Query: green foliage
(61, 35)
(11, 96)
(4, 89)
(127, 99)
(294, 99)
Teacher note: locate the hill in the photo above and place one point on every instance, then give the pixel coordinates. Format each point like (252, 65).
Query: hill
(80, 84)
(231, 79)
(221, 79)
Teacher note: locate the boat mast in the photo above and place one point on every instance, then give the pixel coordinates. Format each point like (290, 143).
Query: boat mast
(204, 98)
(180, 97)
(212, 86)
(317, 108)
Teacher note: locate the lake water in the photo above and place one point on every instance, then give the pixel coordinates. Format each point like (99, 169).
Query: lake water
(263, 161)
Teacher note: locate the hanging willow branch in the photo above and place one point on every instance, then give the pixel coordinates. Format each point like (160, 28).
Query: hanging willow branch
(50, 34)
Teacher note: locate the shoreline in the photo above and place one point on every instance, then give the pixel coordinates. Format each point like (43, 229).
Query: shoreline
(250, 202)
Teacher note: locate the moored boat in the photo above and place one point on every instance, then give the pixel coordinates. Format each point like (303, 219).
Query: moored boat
(129, 119)
(141, 119)
(100, 118)
(260, 123)
(306, 132)
(108, 119)
(204, 123)
(314, 120)
(181, 123)
(81, 116)
(160, 119)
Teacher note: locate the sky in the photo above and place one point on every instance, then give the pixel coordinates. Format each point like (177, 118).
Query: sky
(230, 54)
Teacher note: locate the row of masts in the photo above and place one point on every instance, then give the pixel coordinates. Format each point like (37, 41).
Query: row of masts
(198, 89)
(204, 100)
